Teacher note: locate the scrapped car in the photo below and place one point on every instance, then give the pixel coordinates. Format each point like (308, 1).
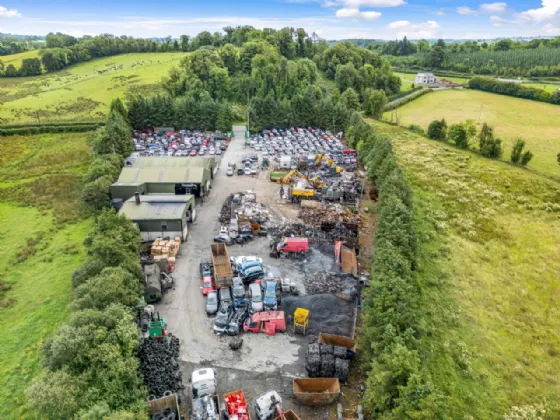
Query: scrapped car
(229, 171)
(251, 274)
(223, 238)
(238, 289)
(225, 297)
(207, 284)
(271, 298)
(222, 319)
(236, 321)
(212, 302)
(255, 298)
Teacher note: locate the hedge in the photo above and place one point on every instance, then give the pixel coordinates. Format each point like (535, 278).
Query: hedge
(516, 90)
(402, 94)
(407, 99)
(40, 129)
(396, 382)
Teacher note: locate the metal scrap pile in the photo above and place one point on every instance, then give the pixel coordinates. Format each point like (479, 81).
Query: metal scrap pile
(225, 213)
(159, 366)
(335, 232)
(327, 282)
(333, 213)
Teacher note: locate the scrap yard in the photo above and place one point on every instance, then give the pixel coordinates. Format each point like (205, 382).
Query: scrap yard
(261, 282)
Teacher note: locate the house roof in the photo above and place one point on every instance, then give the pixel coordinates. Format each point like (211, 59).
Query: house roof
(157, 207)
(425, 75)
(174, 162)
(163, 175)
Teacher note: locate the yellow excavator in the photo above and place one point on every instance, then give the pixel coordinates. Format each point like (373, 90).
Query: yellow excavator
(315, 182)
(327, 159)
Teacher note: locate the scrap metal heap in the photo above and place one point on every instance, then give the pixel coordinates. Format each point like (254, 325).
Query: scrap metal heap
(328, 213)
(328, 282)
(326, 234)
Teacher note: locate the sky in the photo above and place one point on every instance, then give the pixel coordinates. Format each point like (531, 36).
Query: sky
(329, 19)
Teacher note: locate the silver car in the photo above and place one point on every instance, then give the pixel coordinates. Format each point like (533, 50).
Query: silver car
(255, 297)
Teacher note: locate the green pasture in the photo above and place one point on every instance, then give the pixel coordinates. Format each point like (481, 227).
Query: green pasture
(536, 122)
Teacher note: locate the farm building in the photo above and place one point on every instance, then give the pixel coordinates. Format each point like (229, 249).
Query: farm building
(195, 180)
(160, 215)
(425, 79)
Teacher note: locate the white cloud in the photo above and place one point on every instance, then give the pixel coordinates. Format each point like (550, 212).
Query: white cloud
(8, 13)
(464, 10)
(356, 4)
(355, 13)
(439, 12)
(498, 21)
(374, 3)
(493, 8)
(550, 10)
(411, 30)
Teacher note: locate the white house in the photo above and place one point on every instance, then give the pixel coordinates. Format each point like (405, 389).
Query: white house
(425, 79)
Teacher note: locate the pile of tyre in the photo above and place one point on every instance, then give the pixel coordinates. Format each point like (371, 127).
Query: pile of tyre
(327, 361)
(160, 367)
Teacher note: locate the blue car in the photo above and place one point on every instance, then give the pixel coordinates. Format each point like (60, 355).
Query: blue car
(270, 295)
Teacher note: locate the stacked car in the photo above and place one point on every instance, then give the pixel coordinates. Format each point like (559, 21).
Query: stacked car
(182, 143)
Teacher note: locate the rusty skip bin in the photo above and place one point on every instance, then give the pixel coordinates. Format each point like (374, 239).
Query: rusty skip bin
(316, 391)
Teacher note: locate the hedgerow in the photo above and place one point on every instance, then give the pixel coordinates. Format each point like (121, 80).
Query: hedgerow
(410, 98)
(513, 89)
(396, 385)
(90, 364)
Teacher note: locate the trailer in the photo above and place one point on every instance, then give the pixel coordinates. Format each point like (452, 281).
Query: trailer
(236, 405)
(339, 340)
(316, 391)
(165, 405)
(346, 258)
(287, 415)
(205, 402)
(223, 274)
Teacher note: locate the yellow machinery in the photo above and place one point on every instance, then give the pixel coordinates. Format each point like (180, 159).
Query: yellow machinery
(302, 193)
(315, 183)
(301, 320)
(327, 159)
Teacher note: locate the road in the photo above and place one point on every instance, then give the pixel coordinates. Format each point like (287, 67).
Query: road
(263, 362)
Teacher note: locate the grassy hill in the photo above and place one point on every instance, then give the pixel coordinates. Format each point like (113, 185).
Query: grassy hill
(41, 244)
(488, 272)
(15, 59)
(79, 93)
(538, 123)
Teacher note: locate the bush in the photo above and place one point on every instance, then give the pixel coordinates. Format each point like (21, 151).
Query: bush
(437, 130)
(518, 157)
(415, 128)
(458, 133)
(489, 146)
(374, 101)
(410, 98)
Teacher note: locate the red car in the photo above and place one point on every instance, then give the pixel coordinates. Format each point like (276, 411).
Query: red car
(193, 152)
(207, 284)
(268, 322)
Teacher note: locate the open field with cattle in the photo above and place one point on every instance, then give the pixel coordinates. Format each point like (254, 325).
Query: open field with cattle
(80, 92)
(42, 243)
(488, 271)
(537, 123)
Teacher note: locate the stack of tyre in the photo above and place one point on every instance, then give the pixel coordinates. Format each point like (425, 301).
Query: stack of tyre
(160, 367)
(327, 361)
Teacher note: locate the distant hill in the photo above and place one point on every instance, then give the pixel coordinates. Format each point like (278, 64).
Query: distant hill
(16, 37)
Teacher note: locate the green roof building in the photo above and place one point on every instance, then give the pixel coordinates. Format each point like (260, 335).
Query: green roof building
(161, 215)
(195, 180)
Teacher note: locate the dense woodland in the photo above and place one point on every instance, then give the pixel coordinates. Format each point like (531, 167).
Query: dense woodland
(535, 58)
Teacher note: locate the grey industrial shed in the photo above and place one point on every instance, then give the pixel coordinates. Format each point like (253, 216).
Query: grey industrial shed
(161, 180)
(161, 215)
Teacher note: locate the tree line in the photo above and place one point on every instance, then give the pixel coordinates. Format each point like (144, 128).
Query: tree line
(91, 368)
(517, 90)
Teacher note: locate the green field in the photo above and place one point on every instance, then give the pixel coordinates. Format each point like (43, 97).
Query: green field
(536, 122)
(42, 234)
(549, 87)
(488, 271)
(15, 59)
(408, 78)
(79, 93)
